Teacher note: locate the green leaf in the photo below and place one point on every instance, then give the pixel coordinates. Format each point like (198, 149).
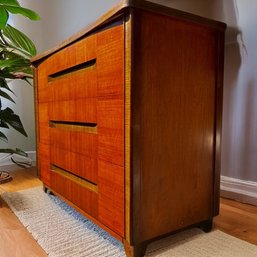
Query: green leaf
(3, 84)
(12, 151)
(20, 40)
(6, 74)
(8, 116)
(3, 137)
(13, 64)
(4, 15)
(14, 61)
(20, 10)
(6, 96)
(10, 2)
(3, 125)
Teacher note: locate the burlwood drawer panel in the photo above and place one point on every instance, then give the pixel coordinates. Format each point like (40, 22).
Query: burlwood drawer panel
(82, 197)
(82, 84)
(111, 129)
(44, 163)
(110, 61)
(80, 110)
(80, 165)
(111, 196)
(78, 53)
(74, 141)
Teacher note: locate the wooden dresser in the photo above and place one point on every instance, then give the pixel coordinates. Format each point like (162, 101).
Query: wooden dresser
(129, 121)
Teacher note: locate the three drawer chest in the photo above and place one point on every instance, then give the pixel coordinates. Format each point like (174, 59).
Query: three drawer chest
(129, 121)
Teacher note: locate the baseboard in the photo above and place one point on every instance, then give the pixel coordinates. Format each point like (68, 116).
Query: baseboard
(239, 190)
(5, 159)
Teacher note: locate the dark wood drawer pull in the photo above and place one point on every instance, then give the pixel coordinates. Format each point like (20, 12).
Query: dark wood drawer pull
(74, 69)
(74, 126)
(76, 179)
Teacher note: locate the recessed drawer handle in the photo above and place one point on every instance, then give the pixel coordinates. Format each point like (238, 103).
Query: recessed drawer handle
(78, 180)
(72, 70)
(74, 126)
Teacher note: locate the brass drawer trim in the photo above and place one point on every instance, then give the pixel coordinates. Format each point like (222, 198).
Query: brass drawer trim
(74, 126)
(78, 180)
(82, 67)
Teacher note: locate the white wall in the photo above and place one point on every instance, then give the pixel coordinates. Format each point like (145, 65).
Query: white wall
(239, 149)
(61, 18)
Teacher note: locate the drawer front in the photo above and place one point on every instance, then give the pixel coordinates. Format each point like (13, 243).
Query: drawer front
(74, 149)
(69, 74)
(81, 122)
(77, 164)
(79, 195)
(73, 86)
(72, 58)
(81, 110)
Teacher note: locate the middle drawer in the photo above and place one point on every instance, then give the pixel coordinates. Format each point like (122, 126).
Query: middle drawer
(74, 151)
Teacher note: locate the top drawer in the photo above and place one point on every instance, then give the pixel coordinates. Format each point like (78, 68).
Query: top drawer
(72, 58)
(70, 73)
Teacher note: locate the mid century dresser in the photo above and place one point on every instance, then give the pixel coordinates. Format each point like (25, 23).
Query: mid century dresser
(129, 121)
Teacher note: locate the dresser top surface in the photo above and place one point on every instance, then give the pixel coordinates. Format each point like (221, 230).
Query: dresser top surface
(120, 8)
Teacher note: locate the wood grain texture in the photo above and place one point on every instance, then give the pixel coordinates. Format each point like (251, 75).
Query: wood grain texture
(173, 124)
(43, 123)
(110, 61)
(110, 120)
(80, 85)
(111, 196)
(75, 152)
(111, 130)
(44, 168)
(82, 197)
(129, 22)
(80, 110)
(81, 52)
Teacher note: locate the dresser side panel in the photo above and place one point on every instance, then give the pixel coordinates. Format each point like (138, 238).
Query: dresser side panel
(174, 121)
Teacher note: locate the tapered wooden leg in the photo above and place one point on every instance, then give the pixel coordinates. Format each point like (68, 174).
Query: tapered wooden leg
(134, 250)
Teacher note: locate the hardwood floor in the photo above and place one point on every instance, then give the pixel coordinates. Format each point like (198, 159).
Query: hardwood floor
(15, 240)
(236, 219)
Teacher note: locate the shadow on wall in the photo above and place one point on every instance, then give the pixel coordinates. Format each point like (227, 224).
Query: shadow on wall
(249, 133)
(233, 49)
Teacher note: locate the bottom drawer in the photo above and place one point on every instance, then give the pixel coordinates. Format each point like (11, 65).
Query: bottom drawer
(74, 191)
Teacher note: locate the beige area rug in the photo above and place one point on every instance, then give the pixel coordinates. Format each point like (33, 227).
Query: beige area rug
(63, 232)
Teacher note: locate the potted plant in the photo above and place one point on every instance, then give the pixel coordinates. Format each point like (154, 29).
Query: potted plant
(16, 49)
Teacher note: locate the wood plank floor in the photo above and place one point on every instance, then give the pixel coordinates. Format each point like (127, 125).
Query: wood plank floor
(237, 219)
(15, 240)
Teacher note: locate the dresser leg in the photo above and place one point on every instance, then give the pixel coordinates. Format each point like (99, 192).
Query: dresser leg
(134, 250)
(47, 190)
(44, 188)
(206, 226)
